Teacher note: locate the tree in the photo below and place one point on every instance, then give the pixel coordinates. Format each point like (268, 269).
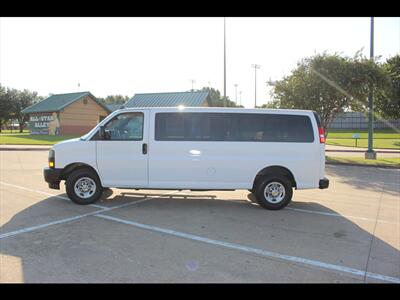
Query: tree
(114, 99)
(387, 101)
(272, 104)
(21, 100)
(329, 84)
(5, 106)
(216, 100)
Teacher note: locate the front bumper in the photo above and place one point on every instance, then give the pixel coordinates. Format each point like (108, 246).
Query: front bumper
(324, 183)
(52, 177)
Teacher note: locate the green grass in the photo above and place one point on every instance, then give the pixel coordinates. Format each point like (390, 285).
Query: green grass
(383, 138)
(348, 133)
(27, 139)
(392, 162)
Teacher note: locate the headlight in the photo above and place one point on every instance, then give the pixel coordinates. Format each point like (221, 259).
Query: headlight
(52, 158)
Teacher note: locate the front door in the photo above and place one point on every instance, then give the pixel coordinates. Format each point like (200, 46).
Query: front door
(122, 157)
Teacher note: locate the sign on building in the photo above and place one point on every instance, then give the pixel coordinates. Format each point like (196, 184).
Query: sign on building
(46, 123)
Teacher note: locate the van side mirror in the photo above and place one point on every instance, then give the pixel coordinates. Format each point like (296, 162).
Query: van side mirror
(104, 134)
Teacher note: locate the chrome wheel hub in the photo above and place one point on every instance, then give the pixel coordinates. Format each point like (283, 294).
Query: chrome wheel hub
(274, 192)
(85, 187)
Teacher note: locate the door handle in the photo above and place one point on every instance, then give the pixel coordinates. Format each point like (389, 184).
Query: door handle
(144, 148)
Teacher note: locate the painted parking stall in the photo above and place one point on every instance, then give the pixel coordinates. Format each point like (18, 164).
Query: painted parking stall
(203, 221)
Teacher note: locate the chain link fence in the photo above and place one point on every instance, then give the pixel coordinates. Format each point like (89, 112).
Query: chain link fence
(358, 120)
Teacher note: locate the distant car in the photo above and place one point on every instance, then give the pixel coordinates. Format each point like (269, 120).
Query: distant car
(268, 152)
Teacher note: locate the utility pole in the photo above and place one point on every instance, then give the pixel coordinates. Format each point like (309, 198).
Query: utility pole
(236, 85)
(224, 62)
(255, 66)
(193, 81)
(370, 153)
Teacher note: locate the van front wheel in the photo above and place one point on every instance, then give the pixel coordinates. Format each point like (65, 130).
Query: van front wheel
(274, 193)
(83, 187)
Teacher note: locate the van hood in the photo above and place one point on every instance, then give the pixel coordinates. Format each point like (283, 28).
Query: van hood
(75, 140)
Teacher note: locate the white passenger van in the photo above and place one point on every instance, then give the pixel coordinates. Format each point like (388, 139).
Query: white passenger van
(268, 152)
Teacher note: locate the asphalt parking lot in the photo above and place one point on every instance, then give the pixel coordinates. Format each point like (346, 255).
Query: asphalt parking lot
(347, 233)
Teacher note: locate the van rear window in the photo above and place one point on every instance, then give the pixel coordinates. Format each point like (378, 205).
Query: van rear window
(235, 127)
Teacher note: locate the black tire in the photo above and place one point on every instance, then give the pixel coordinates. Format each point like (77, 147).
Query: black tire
(74, 177)
(261, 199)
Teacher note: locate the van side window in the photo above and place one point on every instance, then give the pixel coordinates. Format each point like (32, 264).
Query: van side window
(192, 127)
(235, 127)
(274, 128)
(175, 128)
(128, 126)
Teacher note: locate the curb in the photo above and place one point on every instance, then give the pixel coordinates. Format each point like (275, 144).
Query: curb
(25, 149)
(362, 151)
(361, 165)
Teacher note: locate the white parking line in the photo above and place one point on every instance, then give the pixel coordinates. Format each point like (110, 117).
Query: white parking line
(35, 191)
(46, 194)
(33, 228)
(265, 253)
(289, 208)
(103, 209)
(339, 215)
(323, 213)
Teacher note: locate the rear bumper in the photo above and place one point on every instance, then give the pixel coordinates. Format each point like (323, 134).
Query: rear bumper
(324, 183)
(52, 177)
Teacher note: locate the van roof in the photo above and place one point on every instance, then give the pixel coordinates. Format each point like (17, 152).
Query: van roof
(221, 109)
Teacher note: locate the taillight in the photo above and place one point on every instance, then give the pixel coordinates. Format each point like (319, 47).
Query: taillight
(321, 135)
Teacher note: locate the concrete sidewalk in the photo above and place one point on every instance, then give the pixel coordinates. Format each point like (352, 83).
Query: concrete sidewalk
(332, 148)
(340, 151)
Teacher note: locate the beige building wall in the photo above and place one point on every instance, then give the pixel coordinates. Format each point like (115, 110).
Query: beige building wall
(81, 116)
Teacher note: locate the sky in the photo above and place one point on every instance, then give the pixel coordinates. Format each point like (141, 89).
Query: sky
(109, 56)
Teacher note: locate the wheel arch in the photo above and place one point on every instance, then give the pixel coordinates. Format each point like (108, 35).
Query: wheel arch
(75, 166)
(273, 171)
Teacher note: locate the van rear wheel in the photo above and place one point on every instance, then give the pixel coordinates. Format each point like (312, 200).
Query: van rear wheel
(83, 186)
(274, 193)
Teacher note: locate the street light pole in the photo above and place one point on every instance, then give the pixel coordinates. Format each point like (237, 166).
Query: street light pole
(370, 153)
(255, 66)
(240, 98)
(224, 62)
(236, 85)
(193, 81)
